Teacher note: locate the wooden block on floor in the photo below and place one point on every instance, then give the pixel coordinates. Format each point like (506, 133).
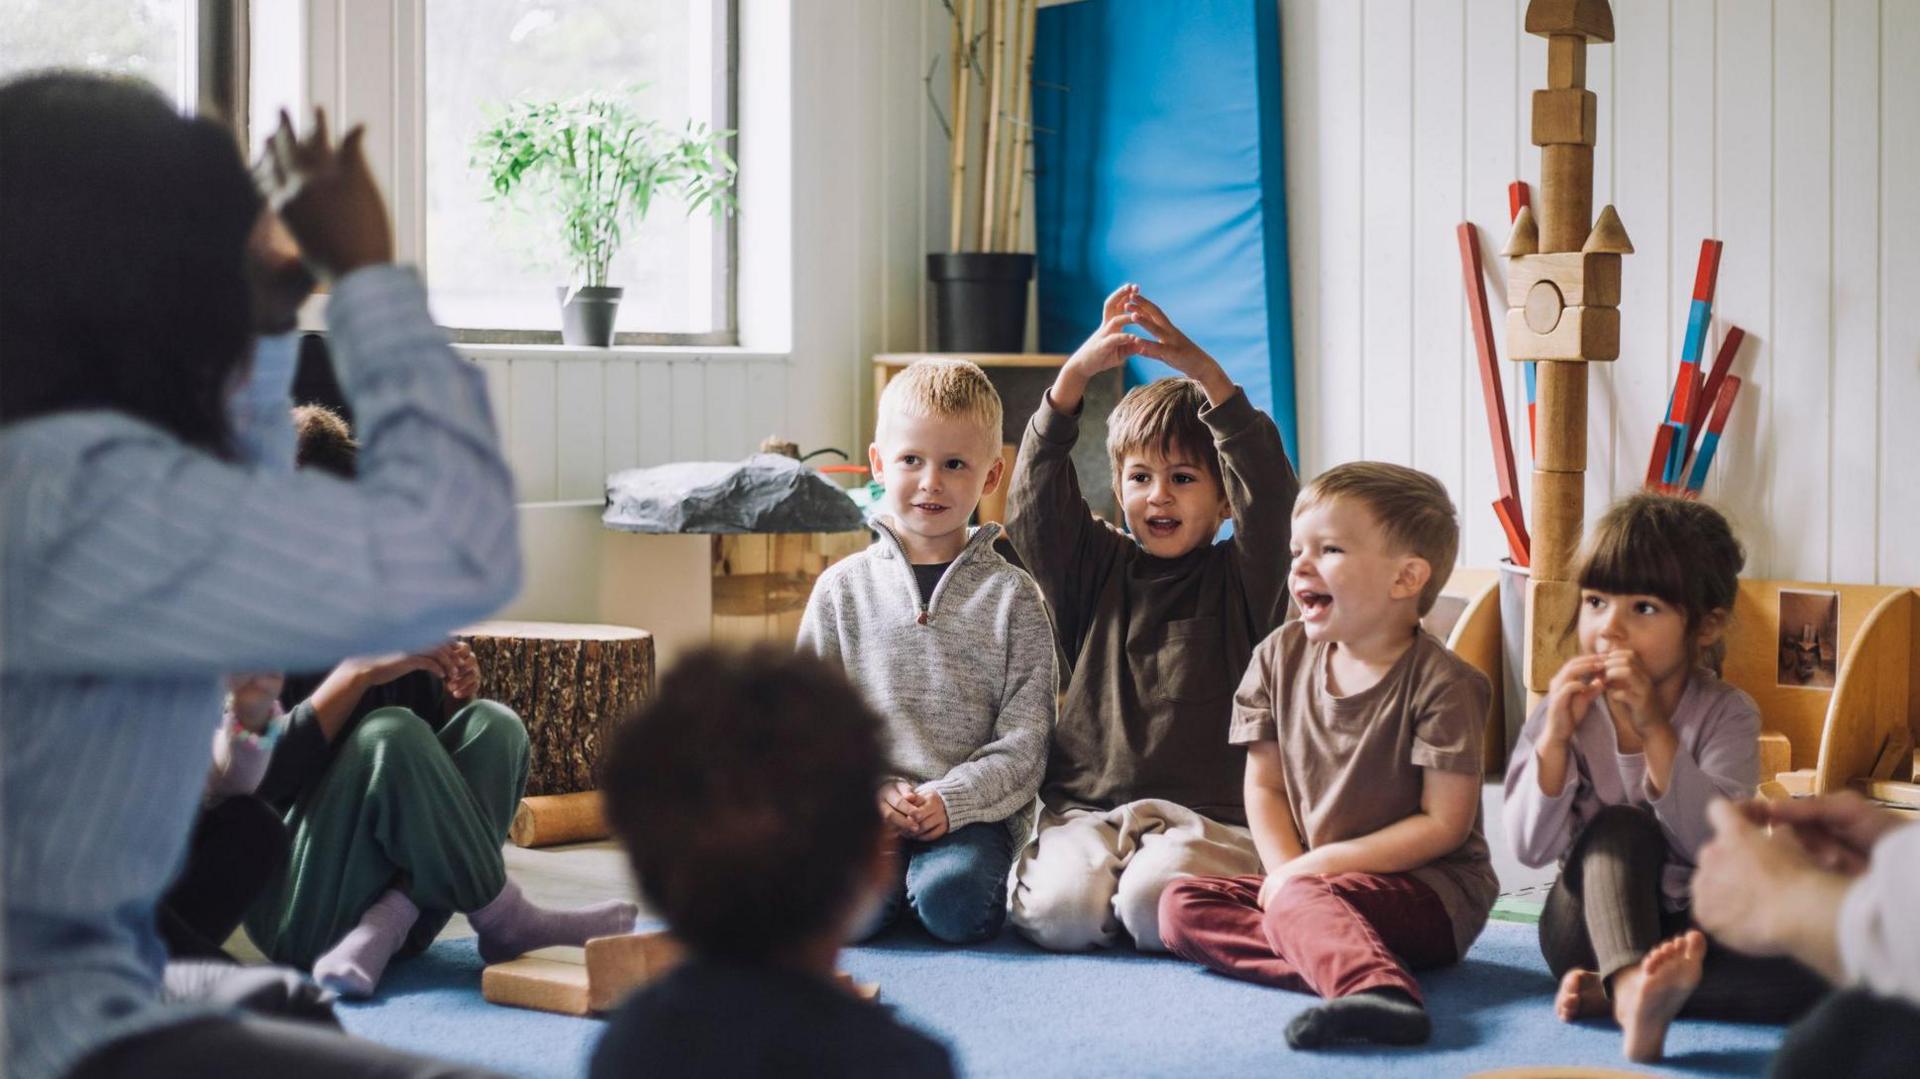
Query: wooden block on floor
(1591, 334)
(1776, 754)
(1565, 116)
(618, 965)
(544, 985)
(1584, 280)
(1554, 606)
(546, 820)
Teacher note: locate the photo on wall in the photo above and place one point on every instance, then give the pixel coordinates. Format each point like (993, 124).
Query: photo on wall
(1809, 639)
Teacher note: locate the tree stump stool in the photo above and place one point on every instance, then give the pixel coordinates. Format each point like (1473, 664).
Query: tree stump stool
(570, 682)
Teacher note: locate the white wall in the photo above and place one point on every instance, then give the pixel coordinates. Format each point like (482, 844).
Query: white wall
(832, 239)
(1789, 129)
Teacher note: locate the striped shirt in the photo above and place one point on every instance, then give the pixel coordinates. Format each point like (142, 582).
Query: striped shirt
(138, 570)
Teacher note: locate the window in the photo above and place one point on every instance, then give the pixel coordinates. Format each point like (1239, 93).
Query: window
(148, 39)
(492, 270)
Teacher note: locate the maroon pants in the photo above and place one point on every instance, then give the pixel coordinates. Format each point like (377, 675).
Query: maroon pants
(1334, 936)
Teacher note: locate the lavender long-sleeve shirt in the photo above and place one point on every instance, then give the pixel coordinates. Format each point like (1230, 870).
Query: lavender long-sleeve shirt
(138, 570)
(1718, 727)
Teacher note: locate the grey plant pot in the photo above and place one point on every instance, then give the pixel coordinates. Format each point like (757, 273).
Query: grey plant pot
(586, 314)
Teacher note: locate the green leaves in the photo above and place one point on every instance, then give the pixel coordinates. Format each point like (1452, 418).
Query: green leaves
(594, 162)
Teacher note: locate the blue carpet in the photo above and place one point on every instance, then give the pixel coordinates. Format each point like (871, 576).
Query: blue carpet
(1009, 1009)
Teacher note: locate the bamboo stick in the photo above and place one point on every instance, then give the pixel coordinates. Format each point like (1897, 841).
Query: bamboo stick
(1023, 112)
(957, 167)
(996, 44)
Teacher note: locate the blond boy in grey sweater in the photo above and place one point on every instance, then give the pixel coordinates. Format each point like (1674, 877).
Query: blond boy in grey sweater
(951, 644)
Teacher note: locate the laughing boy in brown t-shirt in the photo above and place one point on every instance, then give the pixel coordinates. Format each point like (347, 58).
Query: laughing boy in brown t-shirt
(1363, 742)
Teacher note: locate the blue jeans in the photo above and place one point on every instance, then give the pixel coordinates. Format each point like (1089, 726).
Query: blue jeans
(956, 885)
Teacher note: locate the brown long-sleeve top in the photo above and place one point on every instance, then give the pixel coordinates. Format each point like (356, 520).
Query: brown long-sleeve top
(1154, 647)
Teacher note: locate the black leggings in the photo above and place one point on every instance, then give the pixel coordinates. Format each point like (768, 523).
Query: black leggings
(238, 846)
(1604, 914)
(1852, 1033)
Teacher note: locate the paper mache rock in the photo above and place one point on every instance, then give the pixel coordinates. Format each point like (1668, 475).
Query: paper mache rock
(764, 493)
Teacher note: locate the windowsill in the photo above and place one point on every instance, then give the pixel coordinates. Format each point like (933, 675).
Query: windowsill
(630, 353)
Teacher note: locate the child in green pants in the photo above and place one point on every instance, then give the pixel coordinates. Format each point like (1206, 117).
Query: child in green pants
(398, 787)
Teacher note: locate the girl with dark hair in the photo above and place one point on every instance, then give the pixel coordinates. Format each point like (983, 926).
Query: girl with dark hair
(146, 550)
(1613, 773)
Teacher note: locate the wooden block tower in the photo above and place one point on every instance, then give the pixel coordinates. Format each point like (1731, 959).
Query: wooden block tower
(1563, 312)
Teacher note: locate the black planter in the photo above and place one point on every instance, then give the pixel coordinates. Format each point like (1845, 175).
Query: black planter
(586, 314)
(979, 301)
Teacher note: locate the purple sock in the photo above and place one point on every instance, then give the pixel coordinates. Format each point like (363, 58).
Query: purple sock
(512, 925)
(353, 967)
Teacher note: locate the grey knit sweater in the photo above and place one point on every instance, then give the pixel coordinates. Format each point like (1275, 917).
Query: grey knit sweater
(966, 682)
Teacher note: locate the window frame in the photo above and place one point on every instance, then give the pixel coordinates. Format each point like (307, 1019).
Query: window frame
(726, 239)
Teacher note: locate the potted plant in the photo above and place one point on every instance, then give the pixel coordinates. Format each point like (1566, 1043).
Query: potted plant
(594, 162)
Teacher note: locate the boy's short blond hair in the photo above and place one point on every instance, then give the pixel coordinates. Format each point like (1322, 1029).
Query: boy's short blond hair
(1163, 417)
(1411, 507)
(943, 388)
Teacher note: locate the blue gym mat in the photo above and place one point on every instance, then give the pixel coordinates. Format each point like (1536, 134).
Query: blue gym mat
(1010, 1009)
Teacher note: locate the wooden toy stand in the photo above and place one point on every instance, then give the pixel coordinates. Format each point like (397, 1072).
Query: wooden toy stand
(1865, 726)
(1563, 312)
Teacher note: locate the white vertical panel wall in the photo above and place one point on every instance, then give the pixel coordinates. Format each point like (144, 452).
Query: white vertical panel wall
(1789, 129)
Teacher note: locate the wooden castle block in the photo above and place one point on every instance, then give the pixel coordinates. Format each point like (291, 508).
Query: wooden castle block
(1583, 280)
(1562, 392)
(1566, 196)
(1565, 116)
(1558, 501)
(1555, 604)
(1525, 237)
(1590, 19)
(1583, 333)
(1566, 61)
(1609, 236)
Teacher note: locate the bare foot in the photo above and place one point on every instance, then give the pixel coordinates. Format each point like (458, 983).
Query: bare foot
(1647, 997)
(1581, 996)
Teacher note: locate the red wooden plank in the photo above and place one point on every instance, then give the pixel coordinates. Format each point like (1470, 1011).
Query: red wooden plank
(1708, 274)
(1490, 390)
(1519, 544)
(1657, 467)
(1518, 195)
(1722, 364)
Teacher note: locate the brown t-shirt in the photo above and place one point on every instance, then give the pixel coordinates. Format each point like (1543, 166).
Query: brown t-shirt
(1151, 646)
(1354, 764)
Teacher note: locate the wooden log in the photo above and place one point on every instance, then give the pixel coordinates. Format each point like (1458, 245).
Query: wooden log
(1562, 446)
(1565, 116)
(1565, 206)
(1558, 503)
(546, 820)
(1550, 637)
(570, 683)
(1583, 280)
(1590, 334)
